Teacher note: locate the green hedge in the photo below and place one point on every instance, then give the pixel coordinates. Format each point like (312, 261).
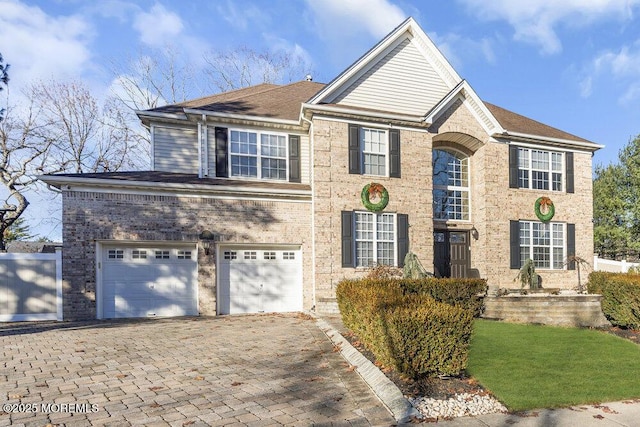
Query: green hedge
(428, 338)
(467, 293)
(620, 297)
(405, 326)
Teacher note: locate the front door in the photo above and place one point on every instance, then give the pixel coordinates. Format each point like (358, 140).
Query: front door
(451, 254)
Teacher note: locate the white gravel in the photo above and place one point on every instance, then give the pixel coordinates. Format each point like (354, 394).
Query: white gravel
(461, 405)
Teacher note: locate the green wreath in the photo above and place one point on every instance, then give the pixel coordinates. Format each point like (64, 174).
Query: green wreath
(371, 190)
(544, 201)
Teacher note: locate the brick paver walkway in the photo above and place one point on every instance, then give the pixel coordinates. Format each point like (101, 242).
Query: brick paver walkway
(249, 370)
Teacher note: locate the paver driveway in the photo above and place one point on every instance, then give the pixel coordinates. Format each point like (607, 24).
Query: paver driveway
(249, 370)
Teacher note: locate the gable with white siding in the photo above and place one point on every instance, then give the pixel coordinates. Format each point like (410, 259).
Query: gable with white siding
(402, 80)
(175, 149)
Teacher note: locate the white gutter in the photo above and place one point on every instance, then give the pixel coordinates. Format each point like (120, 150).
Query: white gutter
(589, 145)
(118, 183)
(330, 108)
(240, 116)
(160, 115)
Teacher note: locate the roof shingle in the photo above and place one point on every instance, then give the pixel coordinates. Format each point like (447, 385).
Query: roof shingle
(264, 100)
(284, 102)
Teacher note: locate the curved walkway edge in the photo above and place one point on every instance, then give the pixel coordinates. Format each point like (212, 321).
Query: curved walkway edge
(388, 393)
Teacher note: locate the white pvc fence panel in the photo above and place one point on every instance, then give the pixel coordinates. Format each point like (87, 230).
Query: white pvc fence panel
(30, 286)
(612, 266)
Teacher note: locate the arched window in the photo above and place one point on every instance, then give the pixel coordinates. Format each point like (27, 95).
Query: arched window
(450, 185)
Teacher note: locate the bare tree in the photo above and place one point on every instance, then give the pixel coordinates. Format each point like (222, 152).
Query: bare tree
(82, 137)
(4, 80)
(62, 129)
(244, 67)
(154, 79)
(24, 155)
(164, 76)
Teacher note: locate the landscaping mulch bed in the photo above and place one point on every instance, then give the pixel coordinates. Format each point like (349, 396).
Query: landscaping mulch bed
(445, 388)
(630, 334)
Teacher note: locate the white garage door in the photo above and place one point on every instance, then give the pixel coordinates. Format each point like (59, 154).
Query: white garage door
(254, 280)
(149, 281)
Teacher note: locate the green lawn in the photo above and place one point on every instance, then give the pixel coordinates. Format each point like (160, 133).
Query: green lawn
(531, 366)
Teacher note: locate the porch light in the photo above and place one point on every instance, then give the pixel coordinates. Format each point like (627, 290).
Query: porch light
(474, 233)
(207, 237)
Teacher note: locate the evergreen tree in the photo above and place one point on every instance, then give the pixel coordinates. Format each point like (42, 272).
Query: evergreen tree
(616, 207)
(18, 230)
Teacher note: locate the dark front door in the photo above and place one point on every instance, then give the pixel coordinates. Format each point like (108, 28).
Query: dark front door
(451, 255)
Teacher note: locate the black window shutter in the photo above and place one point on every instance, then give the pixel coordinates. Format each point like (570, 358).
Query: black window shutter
(403, 238)
(513, 167)
(514, 239)
(294, 158)
(394, 153)
(569, 169)
(571, 245)
(222, 152)
(347, 239)
(354, 149)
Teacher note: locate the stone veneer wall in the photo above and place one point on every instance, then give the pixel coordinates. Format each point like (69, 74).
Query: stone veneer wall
(92, 216)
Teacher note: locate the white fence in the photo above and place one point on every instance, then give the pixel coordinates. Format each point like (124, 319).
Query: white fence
(30, 286)
(623, 266)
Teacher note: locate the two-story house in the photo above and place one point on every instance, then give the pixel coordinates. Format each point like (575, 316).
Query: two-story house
(262, 199)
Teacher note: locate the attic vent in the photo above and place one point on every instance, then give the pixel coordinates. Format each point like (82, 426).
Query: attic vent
(308, 78)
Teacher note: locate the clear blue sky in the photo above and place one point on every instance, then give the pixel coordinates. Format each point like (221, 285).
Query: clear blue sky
(572, 64)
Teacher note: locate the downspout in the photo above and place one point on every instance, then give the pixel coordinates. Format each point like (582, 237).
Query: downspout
(205, 147)
(313, 214)
(200, 162)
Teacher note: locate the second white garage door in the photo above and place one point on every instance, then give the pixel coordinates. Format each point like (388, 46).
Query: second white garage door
(262, 280)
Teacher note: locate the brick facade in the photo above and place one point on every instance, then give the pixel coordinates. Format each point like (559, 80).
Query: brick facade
(493, 203)
(91, 217)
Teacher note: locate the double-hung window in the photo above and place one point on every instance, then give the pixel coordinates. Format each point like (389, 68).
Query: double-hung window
(544, 243)
(540, 169)
(375, 237)
(258, 155)
(373, 143)
(374, 151)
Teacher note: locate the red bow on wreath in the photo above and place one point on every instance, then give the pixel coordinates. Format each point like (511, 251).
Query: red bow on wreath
(545, 201)
(375, 188)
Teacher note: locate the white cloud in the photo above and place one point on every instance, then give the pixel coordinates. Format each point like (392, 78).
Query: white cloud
(339, 17)
(350, 27)
(458, 49)
(40, 46)
(621, 67)
(536, 21)
(243, 17)
(158, 27)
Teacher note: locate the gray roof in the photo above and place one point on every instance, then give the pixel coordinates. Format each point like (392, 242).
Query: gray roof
(285, 101)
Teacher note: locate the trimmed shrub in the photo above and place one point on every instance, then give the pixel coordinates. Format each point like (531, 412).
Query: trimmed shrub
(428, 338)
(362, 303)
(597, 280)
(467, 293)
(406, 327)
(620, 297)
